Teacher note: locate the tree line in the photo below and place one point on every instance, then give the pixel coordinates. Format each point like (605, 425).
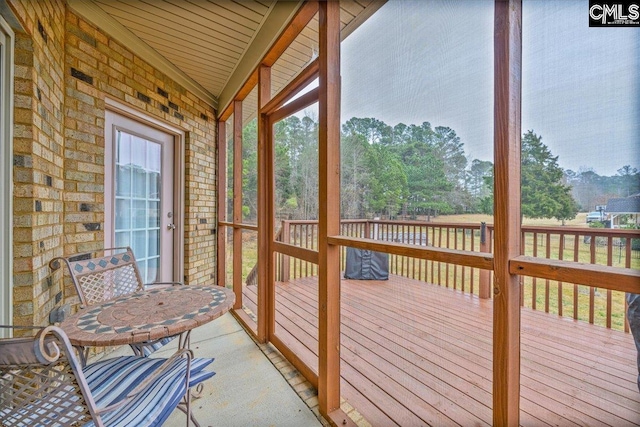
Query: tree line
(415, 170)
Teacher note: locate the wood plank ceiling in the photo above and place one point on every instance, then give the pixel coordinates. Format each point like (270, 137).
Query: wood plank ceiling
(205, 41)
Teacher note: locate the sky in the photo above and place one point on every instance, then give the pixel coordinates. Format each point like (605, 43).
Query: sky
(419, 60)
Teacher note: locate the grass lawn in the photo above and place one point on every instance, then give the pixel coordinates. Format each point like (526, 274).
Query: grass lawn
(579, 221)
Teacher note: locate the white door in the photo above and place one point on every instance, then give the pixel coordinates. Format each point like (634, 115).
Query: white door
(139, 194)
(6, 171)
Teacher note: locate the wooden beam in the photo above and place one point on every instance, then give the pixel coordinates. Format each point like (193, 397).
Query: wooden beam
(329, 212)
(304, 254)
(247, 322)
(237, 202)
(508, 240)
(338, 418)
(264, 207)
(302, 17)
(293, 358)
(453, 256)
(249, 227)
(222, 205)
(301, 81)
(598, 276)
(296, 105)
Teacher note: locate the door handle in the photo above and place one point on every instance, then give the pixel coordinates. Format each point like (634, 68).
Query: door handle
(171, 226)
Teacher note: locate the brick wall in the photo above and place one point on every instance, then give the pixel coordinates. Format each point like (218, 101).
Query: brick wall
(65, 67)
(38, 160)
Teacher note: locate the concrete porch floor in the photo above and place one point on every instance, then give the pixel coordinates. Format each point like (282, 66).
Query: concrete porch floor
(247, 390)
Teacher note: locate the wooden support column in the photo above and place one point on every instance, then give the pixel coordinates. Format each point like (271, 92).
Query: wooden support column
(237, 202)
(265, 210)
(507, 134)
(221, 271)
(329, 202)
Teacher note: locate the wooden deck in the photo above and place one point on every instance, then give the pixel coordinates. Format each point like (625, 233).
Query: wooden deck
(418, 354)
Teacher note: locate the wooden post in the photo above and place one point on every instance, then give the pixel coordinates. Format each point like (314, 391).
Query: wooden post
(221, 257)
(484, 290)
(329, 215)
(507, 145)
(265, 159)
(237, 203)
(269, 229)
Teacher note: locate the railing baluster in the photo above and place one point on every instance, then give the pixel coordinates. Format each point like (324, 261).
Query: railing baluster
(609, 294)
(485, 276)
(592, 290)
(534, 281)
(464, 239)
(420, 261)
(546, 282)
(447, 264)
(576, 257)
(433, 239)
(627, 264)
(455, 267)
(439, 263)
(473, 270)
(413, 261)
(560, 285)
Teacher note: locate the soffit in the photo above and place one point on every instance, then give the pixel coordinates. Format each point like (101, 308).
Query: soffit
(211, 46)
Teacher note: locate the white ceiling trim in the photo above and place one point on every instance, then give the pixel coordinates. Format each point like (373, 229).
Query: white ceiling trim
(277, 19)
(94, 14)
(361, 18)
(253, 37)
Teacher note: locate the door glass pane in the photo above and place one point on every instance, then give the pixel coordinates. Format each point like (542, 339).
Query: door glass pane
(153, 214)
(138, 200)
(123, 214)
(139, 244)
(123, 238)
(139, 213)
(152, 269)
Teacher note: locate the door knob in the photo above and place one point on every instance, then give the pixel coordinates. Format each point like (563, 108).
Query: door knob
(171, 226)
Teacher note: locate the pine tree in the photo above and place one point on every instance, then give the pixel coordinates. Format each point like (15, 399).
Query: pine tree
(544, 195)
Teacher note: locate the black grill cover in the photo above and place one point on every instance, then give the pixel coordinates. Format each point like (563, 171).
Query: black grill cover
(363, 264)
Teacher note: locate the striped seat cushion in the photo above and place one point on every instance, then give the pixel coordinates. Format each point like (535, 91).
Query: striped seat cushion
(110, 380)
(150, 348)
(154, 405)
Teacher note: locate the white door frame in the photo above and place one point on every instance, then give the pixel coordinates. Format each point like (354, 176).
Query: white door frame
(6, 175)
(179, 179)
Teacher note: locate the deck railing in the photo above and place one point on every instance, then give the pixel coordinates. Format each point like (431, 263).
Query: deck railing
(612, 247)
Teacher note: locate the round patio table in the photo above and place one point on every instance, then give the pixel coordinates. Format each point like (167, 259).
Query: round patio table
(147, 315)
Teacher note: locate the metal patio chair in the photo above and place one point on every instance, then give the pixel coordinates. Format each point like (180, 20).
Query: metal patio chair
(99, 279)
(42, 383)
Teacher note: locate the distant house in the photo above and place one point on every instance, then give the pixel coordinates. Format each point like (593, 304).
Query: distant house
(624, 206)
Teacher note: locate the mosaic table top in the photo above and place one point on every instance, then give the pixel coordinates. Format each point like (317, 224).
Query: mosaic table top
(147, 315)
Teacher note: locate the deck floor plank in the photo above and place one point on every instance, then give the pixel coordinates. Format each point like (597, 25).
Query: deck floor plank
(424, 384)
(418, 354)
